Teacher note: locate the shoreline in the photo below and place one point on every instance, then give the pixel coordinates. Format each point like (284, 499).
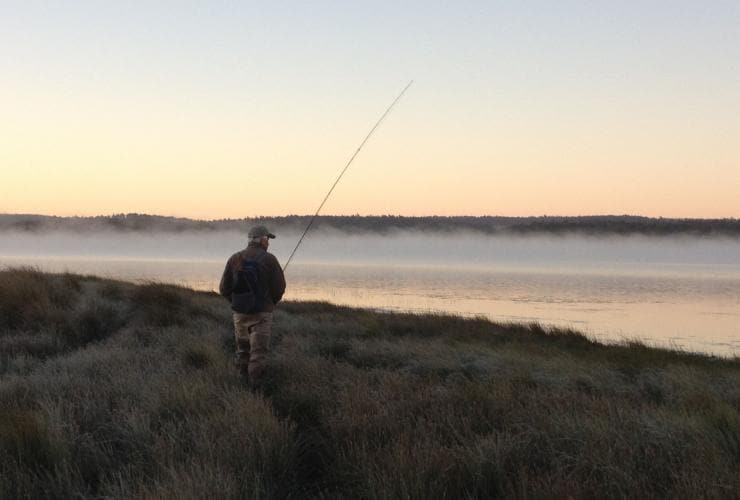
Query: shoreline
(606, 339)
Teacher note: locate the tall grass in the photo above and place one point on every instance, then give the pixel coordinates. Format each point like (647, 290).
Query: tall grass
(108, 389)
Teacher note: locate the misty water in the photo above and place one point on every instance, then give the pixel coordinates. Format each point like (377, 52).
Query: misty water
(681, 291)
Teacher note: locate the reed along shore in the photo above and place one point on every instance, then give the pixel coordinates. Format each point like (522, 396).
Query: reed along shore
(110, 389)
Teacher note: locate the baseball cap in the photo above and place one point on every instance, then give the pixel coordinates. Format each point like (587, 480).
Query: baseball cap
(260, 231)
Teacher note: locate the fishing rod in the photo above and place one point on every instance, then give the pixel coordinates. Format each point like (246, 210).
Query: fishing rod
(310, 223)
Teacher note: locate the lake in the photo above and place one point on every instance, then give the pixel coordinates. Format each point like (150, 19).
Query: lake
(679, 291)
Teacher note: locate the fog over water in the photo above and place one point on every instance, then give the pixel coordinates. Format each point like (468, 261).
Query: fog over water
(666, 290)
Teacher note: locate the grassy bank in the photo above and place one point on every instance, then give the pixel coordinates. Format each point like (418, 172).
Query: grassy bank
(109, 389)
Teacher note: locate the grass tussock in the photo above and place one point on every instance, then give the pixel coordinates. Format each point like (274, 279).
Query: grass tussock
(29, 297)
(114, 390)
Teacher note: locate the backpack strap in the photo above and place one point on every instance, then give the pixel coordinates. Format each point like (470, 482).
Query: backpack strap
(259, 258)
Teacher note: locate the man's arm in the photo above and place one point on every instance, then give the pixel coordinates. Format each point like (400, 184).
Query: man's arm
(277, 281)
(227, 282)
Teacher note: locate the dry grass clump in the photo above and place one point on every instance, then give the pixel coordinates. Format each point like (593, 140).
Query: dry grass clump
(30, 297)
(44, 314)
(161, 304)
(135, 396)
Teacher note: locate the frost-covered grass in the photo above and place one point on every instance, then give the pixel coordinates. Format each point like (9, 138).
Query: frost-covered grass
(109, 389)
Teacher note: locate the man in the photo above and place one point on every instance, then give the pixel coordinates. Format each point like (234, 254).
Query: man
(253, 329)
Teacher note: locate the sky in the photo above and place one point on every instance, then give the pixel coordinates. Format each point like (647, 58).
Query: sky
(237, 109)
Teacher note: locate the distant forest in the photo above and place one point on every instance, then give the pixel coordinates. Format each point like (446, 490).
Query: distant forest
(383, 224)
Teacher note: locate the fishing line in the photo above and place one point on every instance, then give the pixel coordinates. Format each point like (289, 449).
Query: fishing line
(343, 171)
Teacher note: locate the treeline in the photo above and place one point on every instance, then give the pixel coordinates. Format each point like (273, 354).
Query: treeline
(384, 224)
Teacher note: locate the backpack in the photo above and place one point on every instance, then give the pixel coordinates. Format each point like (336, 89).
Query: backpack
(249, 293)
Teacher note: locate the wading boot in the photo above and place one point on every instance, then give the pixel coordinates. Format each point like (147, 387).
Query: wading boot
(241, 366)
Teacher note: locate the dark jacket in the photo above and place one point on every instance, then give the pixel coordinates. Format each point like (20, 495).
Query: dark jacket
(271, 275)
